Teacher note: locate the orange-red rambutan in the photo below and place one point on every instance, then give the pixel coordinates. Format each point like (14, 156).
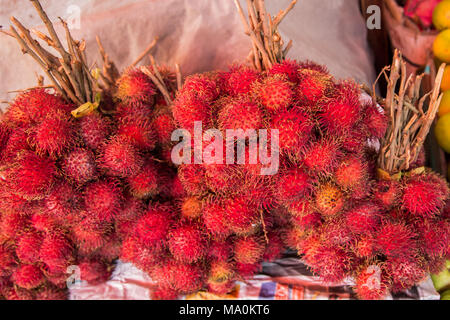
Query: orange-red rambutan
(241, 216)
(396, 239)
(405, 272)
(139, 131)
(248, 250)
(56, 252)
(292, 184)
(371, 283)
(351, 173)
(312, 85)
(329, 200)
(153, 227)
(134, 86)
(322, 156)
(28, 276)
(289, 68)
(201, 86)
(28, 247)
(363, 218)
(94, 271)
(239, 80)
(144, 183)
(187, 242)
(240, 114)
(187, 109)
(275, 93)
(192, 177)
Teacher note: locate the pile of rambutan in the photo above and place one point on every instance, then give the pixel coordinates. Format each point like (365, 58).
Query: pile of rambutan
(72, 189)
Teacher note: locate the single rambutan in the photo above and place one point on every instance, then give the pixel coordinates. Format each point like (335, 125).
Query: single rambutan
(120, 158)
(79, 166)
(239, 80)
(28, 247)
(32, 176)
(134, 87)
(192, 177)
(248, 250)
(240, 114)
(144, 257)
(387, 193)
(240, 215)
(94, 271)
(375, 121)
(4, 137)
(153, 227)
(220, 250)
(424, 195)
(275, 93)
(89, 234)
(188, 109)
(220, 270)
(405, 272)
(294, 130)
(340, 113)
(312, 85)
(181, 277)
(307, 221)
(330, 263)
(434, 238)
(355, 141)
(364, 247)
(292, 184)
(13, 224)
(274, 248)
(201, 86)
(62, 202)
(94, 129)
(220, 287)
(293, 237)
(28, 276)
(144, 183)
(371, 283)
(351, 173)
(191, 207)
(163, 125)
(335, 232)
(110, 251)
(103, 199)
(395, 239)
(223, 178)
(7, 259)
(132, 209)
(300, 207)
(51, 293)
(363, 218)
(322, 157)
(187, 242)
(289, 68)
(16, 144)
(139, 131)
(54, 135)
(44, 222)
(56, 252)
(329, 200)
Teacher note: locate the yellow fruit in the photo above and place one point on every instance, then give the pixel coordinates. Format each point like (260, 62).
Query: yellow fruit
(441, 46)
(442, 132)
(444, 107)
(441, 15)
(445, 84)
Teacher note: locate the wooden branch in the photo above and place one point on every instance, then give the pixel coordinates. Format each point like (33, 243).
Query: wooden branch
(145, 52)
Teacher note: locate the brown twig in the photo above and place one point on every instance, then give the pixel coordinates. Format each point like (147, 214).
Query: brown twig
(157, 79)
(145, 52)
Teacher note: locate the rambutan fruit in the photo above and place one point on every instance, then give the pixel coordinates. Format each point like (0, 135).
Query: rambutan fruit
(351, 173)
(289, 68)
(387, 193)
(51, 293)
(163, 125)
(434, 238)
(294, 129)
(329, 200)
(275, 93)
(28, 276)
(340, 113)
(7, 260)
(201, 86)
(300, 207)
(191, 207)
(43, 221)
(375, 121)
(16, 144)
(19, 294)
(144, 183)
(220, 250)
(192, 177)
(33, 106)
(239, 80)
(240, 215)
(79, 166)
(405, 272)
(424, 195)
(110, 251)
(90, 234)
(395, 239)
(322, 157)
(312, 85)
(355, 141)
(310, 65)
(4, 137)
(144, 257)
(181, 277)
(120, 158)
(220, 277)
(28, 247)
(330, 263)
(139, 131)
(292, 184)
(220, 287)
(248, 250)
(223, 178)
(307, 221)
(56, 252)
(103, 199)
(94, 271)
(363, 218)
(247, 271)
(293, 237)
(153, 227)
(274, 248)
(32, 176)
(240, 114)
(62, 201)
(94, 129)
(132, 209)
(187, 242)
(335, 232)
(134, 87)
(188, 109)
(162, 293)
(364, 247)
(13, 224)
(54, 135)
(371, 283)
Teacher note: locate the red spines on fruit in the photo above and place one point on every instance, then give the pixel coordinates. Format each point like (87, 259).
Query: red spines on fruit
(79, 166)
(56, 252)
(187, 242)
(134, 86)
(371, 283)
(375, 121)
(275, 93)
(153, 227)
(144, 183)
(241, 216)
(201, 86)
(292, 184)
(289, 68)
(7, 259)
(322, 156)
(28, 247)
(192, 177)
(188, 109)
(139, 131)
(312, 86)
(351, 173)
(248, 250)
(395, 239)
(28, 276)
(363, 218)
(239, 80)
(240, 114)
(103, 199)
(405, 272)
(94, 129)
(94, 271)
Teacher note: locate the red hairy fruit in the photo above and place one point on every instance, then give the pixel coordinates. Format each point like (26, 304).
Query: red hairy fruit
(312, 85)
(289, 68)
(220, 279)
(139, 131)
(181, 277)
(220, 250)
(62, 202)
(351, 173)
(201, 86)
(51, 293)
(54, 135)
(94, 271)
(191, 207)
(153, 227)
(335, 232)
(164, 294)
(363, 218)
(28, 276)
(371, 283)
(144, 183)
(329, 200)
(28, 247)
(405, 272)
(248, 250)
(365, 247)
(94, 129)
(187, 242)
(424, 195)
(164, 125)
(247, 271)
(103, 199)
(292, 184)
(144, 257)
(188, 109)
(241, 216)
(33, 106)
(375, 121)
(79, 166)
(89, 234)
(322, 156)
(275, 93)
(294, 129)
(7, 259)
(387, 192)
(274, 248)
(395, 239)
(192, 177)
(120, 158)
(16, 143)
(310, 65)
(240, 114)
(32, 176)
(13, 224)
(19, 294)
(308, 220)
(435, 238)
(56, 252)
(134, 86)
(340, 113)
(4, 137)
(239, 80)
